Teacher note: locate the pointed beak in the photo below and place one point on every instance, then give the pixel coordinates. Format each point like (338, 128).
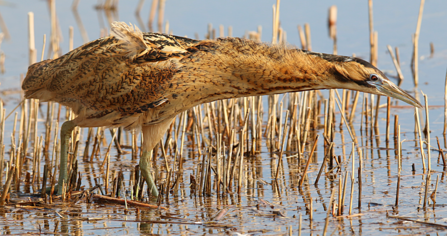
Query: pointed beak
(391, 90)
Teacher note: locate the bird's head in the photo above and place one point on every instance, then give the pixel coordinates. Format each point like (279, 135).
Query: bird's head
(358, 74)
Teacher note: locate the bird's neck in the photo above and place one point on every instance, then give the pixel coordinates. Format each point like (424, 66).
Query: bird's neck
(237, 68)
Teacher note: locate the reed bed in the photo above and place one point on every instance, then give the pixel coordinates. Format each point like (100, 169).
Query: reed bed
(214, 150)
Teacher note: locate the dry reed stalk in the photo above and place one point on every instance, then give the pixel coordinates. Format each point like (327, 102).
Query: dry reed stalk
(22, 128)
(27, 132)
(2, 159)
(343, 106)
(217, 171)
(31, 41)
(43, 47)
(396, 122)
(397, 191)
(308, 161)
(221, 31)
(375, 48)
(444, 162)
(352, 180)
(302, 37)
(415, 62)
(388, 113)
(371, 31)
(182, 141)
(44, 181)
(399, 151)
(340, 193)
(359, 181)
(87, 144)
(2, 62)
(49, 125)
(445, 105)
(152, 14)
(299, 225)
(306, 128)
(139, 6)
(35, 117)
(54, 36)
(418, 123)
(282, 144)
(230, 155)
(323, 164)
(202, 173)
(376, 117)
(370, 112)
(432, 49)
(214, 34)
(167, 28)
(253, 124)
(161, 10)
(7, 185)
(281, 39)
(427, 184)
(273, 124)
(427, 127)
(208, 176)
(433, 195)
(291, 127)
(4, 28)
(55, 156)
(332, 25)
(70, 38)
(34, 164)
(396, 65)
(354, 106)
(285, 127)
(275, 22)
(308, 41)
(241, 161)
(302, 111)
(329, 113)
(96, 144)
(210, 121)
(311, 210)
(345, 183)
(38, 154)
(227, 121)
(326, 224)
(351, 133)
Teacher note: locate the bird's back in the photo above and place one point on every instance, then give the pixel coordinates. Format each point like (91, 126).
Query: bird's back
(110, 81)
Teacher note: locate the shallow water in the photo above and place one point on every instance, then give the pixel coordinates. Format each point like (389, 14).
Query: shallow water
(248, 212)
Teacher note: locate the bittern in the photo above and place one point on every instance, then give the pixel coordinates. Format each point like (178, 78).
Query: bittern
(143, 80)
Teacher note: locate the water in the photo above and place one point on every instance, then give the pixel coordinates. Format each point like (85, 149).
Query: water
(247, 213)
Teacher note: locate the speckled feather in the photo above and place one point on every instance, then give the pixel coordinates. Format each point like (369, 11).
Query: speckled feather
(109, 82)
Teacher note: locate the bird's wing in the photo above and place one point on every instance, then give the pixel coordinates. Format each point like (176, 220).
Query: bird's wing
(119, 76)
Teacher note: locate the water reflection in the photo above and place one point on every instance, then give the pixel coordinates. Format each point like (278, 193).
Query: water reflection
(270, 198)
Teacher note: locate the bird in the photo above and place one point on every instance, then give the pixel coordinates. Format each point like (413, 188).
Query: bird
(143, 81)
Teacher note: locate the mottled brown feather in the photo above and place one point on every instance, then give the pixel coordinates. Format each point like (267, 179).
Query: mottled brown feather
(107, 82)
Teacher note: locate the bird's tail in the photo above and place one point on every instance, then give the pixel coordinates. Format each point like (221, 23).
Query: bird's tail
(132, 38)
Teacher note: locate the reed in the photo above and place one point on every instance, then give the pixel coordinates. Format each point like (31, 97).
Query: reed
(220, 146)
(427, 128)
(415, 60)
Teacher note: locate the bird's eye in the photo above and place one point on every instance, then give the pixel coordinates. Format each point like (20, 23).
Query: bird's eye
(373, 77)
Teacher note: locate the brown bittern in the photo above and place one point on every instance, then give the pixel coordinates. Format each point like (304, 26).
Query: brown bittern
(143, 80)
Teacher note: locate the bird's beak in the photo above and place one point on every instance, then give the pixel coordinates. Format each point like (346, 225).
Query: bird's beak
(391, 90)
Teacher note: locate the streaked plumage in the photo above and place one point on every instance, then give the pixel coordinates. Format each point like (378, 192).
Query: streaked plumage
(134, 79)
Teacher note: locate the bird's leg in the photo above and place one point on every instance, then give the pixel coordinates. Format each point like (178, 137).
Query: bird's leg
(151, 136)
(145, 167)
(66, 130)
